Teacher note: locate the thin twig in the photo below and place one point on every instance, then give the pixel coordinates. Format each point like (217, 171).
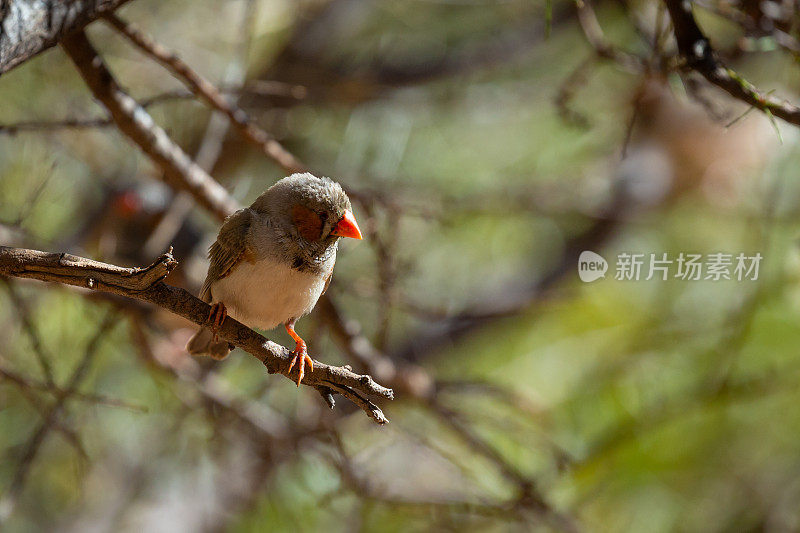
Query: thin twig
(208, 92)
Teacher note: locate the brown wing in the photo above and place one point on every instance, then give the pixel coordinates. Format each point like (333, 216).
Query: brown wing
(229, 248)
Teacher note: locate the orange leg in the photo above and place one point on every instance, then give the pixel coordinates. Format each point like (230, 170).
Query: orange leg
(300, 353)
(218, 314)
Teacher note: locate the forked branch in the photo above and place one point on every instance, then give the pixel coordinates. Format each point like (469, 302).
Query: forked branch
(146, 284)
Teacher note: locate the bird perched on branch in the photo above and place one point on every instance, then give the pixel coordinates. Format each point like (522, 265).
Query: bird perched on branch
(273, 260)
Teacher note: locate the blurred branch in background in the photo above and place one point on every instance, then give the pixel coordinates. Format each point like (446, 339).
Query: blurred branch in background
(206, 91)
(50, 417)
(137, 124)
(261, 89)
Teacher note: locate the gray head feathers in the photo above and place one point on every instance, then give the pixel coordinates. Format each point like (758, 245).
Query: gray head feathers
(320, 199)
(322, 195)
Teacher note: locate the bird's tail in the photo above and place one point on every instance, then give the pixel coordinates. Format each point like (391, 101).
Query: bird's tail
(203, 343)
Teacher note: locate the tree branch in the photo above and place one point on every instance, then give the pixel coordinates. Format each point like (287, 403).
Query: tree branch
(206, 90)
(132, 120)
(146, 284)
(696, 50)
(28, 27)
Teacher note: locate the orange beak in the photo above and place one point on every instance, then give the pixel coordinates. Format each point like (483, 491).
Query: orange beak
(347, 227)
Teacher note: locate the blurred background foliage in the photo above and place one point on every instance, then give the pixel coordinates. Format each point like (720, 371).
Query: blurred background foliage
(484, 143)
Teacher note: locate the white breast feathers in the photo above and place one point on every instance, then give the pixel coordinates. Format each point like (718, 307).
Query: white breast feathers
(268, 292)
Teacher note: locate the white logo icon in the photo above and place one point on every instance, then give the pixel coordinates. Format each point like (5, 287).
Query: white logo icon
(591, 266)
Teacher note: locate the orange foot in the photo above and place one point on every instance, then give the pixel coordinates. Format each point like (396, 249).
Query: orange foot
(300, 353)
(217, 316)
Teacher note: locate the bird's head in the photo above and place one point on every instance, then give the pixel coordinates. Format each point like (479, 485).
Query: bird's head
(315, 211)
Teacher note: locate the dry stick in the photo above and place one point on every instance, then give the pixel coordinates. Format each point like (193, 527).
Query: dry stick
(145, 284)
(132, 120)
(696, 50)
(208, 92)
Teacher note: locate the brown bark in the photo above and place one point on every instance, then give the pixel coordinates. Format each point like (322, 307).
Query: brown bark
(28, 28)
(146, 284)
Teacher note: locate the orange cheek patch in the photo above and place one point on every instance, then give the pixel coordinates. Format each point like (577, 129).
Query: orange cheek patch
(307, 222)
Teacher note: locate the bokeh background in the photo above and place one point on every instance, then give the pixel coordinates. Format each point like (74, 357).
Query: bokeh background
(485, 144)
